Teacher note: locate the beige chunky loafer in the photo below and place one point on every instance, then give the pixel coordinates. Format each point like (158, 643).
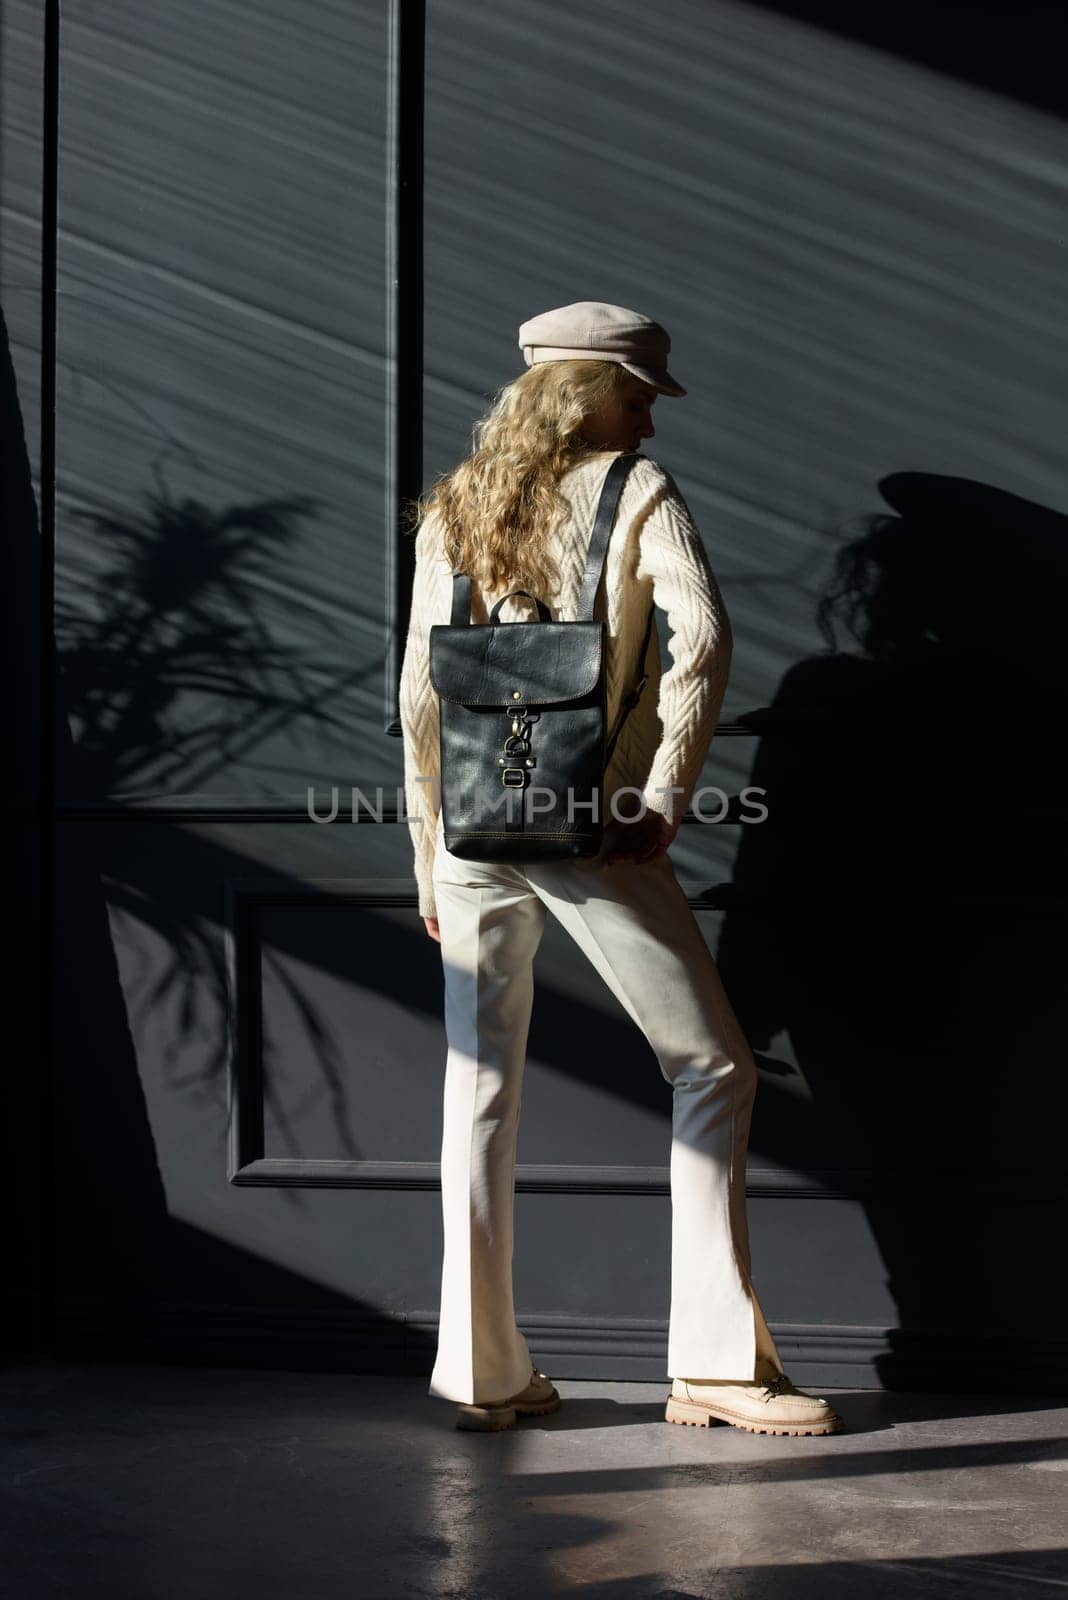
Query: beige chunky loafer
(536, 1400)
(774, 1406)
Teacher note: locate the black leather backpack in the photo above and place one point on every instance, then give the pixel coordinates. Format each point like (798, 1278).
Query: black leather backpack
(522, 705)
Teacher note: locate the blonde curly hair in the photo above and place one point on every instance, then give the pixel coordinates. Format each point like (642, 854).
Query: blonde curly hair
(498, 509)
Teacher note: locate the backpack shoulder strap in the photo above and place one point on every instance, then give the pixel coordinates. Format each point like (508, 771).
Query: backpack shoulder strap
(631, 700)
(607, 505)
(460, 617)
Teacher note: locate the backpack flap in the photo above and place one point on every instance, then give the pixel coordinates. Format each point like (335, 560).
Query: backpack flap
(483, 664)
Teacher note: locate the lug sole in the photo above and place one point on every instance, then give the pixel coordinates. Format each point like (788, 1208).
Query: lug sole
(485, 1419)
(492, 1419)
(694, 1415)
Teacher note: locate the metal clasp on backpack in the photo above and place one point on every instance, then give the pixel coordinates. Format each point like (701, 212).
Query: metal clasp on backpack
(508, 767)
(518, 744)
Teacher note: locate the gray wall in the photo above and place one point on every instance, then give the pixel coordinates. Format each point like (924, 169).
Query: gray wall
(857, 244)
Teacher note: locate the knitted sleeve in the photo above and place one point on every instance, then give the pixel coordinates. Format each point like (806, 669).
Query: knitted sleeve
(418, 706)
(672, 554)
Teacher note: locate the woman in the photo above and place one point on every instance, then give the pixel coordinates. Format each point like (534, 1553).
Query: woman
(517, 513)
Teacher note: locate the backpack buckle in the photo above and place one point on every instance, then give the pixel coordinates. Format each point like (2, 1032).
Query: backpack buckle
(513, 777)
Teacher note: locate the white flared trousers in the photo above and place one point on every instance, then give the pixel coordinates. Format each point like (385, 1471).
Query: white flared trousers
(637, 928)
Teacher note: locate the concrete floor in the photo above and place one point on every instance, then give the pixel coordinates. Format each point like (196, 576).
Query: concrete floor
(147, 1483)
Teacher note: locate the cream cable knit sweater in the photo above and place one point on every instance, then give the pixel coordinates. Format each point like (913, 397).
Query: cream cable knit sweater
(655, 554)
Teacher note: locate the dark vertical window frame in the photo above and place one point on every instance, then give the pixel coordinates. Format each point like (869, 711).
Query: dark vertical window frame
(48, 667)
(404, 325)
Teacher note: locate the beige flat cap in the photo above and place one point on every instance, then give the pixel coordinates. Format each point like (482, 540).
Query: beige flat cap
(597, 331)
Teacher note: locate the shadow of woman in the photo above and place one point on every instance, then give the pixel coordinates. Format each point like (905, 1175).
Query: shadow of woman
(897, 916)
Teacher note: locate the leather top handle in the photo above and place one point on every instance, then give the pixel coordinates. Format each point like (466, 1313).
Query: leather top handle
(544, 614)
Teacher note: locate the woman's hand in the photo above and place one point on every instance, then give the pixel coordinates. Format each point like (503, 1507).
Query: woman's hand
(638, 839)
(432, 928)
